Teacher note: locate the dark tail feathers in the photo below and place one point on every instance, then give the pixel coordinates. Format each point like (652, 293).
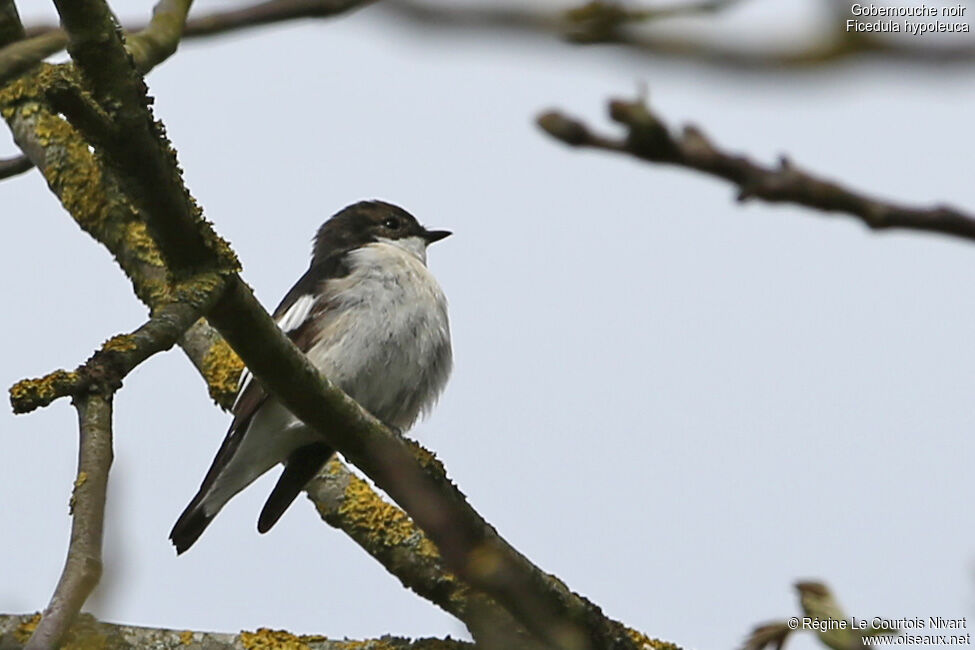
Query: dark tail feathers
(190, 525)
(302, 466)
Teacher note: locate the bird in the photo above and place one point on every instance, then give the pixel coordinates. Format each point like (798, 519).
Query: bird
(371, 317)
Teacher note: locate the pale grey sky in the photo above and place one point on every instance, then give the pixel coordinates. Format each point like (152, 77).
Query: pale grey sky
(676, 403)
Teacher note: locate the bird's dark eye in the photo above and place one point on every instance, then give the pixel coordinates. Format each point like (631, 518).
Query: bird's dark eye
(392, 223)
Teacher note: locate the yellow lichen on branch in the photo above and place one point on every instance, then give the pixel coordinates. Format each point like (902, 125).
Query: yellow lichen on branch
(28, 394)
(78, 482)
(267, 639)
(362, 508)
(141, 243)
(221, 369)
(652, 644)
(119, 343)
(26, 629)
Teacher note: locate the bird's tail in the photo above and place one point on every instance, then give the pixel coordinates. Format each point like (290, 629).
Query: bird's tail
(190, 524)
(302, 466)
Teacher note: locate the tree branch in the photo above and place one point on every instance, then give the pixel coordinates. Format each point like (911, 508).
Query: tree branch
(266, 13)
(106, 369)
(20, 56)
(158, 40)
(346, 502)
(14, 166)
(83, 566)
(95, 201)
(213, 24)
(142, 159)
(89, 633)
(613, 23)
(648, 138)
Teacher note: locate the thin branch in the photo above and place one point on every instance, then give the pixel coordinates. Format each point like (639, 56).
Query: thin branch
(83, 566)
(818, 603)
(231, 20)
(648, 138)
(106, 369)
(615, 23)
(20, 56)
(14, 166)
(159, 40)
(266, 13)
(89, 633)
(156, 41)
(604, 22)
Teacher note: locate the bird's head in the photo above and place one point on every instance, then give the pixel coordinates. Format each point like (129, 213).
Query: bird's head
(370, 222)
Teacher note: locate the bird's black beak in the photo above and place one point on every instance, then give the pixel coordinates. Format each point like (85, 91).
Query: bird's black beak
(435, 235)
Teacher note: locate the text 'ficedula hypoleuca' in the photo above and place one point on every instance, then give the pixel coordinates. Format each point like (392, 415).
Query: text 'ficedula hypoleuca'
(372, 318)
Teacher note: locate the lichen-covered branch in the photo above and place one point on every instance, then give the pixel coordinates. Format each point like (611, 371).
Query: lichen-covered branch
(389, 535)
(121, 354)
(133, 143)
(90, 633)
(650, 139)
(83, 566)
(95, 201)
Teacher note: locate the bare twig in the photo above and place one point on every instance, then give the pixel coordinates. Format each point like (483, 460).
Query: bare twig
(89, 633)
(648, 138)
(615, 23)
(818, 603)
(603, 22)
(266, 13)
(14, 166)
(159, 39)
(83, 566)
(20, 56)
(231, 20)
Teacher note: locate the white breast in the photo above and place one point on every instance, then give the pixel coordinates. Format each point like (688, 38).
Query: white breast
(385, 338)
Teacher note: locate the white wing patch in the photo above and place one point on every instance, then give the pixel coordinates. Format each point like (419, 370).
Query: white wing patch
(297, 313)
(289, 320)
(245, 378)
